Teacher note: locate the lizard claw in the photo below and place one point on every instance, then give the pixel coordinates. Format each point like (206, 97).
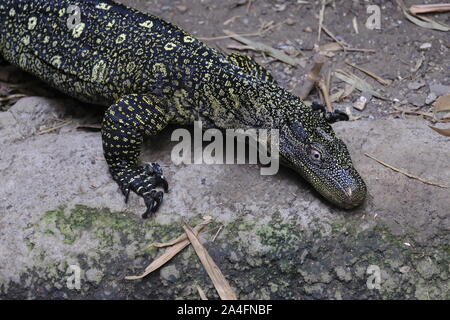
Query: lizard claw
(143, 181)
(155, 169)
(330, 117)
(152, 201)
(126, 192)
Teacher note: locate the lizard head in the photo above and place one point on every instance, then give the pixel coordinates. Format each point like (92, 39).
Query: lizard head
(309, 145)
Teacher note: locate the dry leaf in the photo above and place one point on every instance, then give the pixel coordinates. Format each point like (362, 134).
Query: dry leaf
(358, 83)
(422, 21)
(441, 107)
(220, 283)
(258, 46)
(170, 252)
(444, 132)
(332, 46)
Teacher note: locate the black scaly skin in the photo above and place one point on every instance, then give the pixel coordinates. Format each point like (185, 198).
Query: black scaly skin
(151, 73)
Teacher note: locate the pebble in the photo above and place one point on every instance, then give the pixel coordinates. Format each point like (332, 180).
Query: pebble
(170, 273)
(404, 269)
(290, 22)
(362, 101)
(430, 98)
(182, 8)
(425, 46)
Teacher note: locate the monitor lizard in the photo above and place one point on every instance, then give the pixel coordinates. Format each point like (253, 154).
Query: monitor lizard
(150, 73)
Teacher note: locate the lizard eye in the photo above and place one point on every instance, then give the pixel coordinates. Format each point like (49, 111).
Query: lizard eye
(315, 155)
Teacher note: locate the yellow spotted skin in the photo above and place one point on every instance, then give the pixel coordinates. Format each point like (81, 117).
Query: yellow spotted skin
(151, 73)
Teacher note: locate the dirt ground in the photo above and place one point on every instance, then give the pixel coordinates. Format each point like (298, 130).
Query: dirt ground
(279, 239)
(397, 44)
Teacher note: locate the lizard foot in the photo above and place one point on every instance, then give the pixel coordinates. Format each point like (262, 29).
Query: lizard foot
(143, 181)
(330, 117)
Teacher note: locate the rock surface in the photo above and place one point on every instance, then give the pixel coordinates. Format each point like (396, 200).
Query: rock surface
(60, 208)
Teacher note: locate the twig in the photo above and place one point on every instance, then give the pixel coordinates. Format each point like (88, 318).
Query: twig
(371, 74)
(326, 96)
(359, 83)
(321, 16)
(414, 112)
(63, 124)
(405, 173)
(217, 233)
(258, 46)
(313, 75)
(254, 34)
(343, 44)
(230, 20)
(202, 293)
(425, 8)
(360, 50)
(13, 96)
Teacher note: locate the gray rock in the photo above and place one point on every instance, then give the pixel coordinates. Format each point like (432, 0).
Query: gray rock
(272, 219)
(439, 89)
(416, 85)
(170, 273)
(431, 98)
(427, 268)
(417, 99)
(94, 275)
(343, 274)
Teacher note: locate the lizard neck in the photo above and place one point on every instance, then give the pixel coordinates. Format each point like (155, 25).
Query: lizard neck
(242, 100)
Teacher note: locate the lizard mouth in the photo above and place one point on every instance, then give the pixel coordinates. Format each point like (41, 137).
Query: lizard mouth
(343, 188)
(346, 192)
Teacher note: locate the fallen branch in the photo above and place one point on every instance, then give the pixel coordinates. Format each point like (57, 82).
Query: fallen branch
(405, 173)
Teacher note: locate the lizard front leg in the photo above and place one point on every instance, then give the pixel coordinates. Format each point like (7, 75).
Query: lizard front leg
(330, 117)
(124, 126)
